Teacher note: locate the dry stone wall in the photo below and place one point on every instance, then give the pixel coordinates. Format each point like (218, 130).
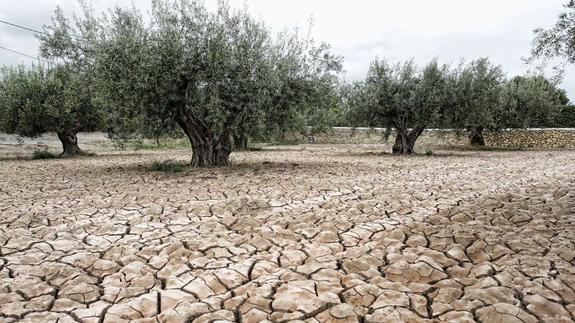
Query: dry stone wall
(529, 138)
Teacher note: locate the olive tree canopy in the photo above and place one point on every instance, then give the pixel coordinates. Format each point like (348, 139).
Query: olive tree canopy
(216, 74)
(36, 100)
(530, 101)
(400, 97)
(559, 40)
(482, 98)
(475, 90)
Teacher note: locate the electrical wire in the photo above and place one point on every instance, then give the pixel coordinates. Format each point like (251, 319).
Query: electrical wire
(22, 27)
(19, 53)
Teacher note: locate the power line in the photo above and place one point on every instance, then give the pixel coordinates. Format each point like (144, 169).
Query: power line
(20, 53)
(23, 27)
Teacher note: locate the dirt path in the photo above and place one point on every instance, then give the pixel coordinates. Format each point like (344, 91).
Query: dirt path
(320, 233)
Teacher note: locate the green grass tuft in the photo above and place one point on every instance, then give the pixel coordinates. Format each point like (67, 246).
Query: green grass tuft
(44, 154)
(167, 166)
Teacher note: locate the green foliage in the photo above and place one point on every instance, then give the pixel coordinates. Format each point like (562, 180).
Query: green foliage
(399, 95)
(530, 101)
(559, 40)
(72, 42)
(474, 96)
(28, 105)
(303, 88)
(387, 94)
(43, 154)
(481, 98)
(214, 74)
(37, 100)
(429, 152)
(166, 166)
(565, 117)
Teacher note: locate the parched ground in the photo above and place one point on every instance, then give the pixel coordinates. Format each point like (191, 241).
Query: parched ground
(308, 233)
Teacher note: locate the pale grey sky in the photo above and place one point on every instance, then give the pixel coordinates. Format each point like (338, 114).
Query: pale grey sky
(359, 30)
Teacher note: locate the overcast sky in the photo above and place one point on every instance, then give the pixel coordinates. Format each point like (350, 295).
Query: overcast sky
(359, 30)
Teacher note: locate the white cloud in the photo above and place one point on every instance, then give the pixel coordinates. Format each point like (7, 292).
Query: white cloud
(362, 29)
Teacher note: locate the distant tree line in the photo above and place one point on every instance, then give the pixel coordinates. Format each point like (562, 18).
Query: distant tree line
(223, 78)
(472, 96)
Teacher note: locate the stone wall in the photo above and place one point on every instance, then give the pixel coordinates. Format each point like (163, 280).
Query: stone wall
(533, 138)
(528, 138)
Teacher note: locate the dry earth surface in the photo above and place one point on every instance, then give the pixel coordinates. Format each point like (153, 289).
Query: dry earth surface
(302, 233)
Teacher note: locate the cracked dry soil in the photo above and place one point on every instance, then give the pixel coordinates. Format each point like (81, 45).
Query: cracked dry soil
(323, 234)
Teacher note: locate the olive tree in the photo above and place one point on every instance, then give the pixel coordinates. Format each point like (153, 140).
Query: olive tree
(530, 101)
(475, 89)
(559, 40)
(566, 117)
(399, 97)
(431, 99)
(213, 73)
(37, 100)
(301, 94)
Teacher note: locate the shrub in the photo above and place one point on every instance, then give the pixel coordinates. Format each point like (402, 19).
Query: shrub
(429, 152)
(566, 117)
(43, 154)
(166, 166)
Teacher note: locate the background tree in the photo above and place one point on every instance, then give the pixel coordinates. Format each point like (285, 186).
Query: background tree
(431, 99)
(400, 97)
(475, 89)
(160, 127)
(530, 101)
(37, 100)
(301, 94)
(559, 40)
(321, 108)
(302, 86)
(565, 117)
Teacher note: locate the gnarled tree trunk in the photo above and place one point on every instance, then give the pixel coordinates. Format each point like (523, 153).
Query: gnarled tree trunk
(405, 140)
(400, 146)
(476, 136)
(69, 144)
(207, 149)
(209, 152)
